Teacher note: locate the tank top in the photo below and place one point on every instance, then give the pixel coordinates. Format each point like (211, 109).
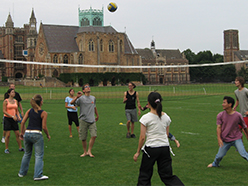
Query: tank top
(11, 108)
(130, 103)
(35, 120)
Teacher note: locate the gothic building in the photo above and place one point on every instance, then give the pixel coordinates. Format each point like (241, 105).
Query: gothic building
(164, 57)
(232, 51)
(90, 43)
(13, 41)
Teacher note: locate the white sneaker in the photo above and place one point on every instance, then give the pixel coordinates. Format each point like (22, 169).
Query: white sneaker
(3, 140)
(20, 175)
(41, 178)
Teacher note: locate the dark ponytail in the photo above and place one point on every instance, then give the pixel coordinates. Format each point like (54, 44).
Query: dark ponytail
(155, 99)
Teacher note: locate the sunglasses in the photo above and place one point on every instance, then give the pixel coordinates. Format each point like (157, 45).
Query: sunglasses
(87, 86)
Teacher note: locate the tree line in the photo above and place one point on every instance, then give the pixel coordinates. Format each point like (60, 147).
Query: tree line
(222, 73)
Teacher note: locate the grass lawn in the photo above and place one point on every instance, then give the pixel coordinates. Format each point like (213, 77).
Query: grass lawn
(193, 123)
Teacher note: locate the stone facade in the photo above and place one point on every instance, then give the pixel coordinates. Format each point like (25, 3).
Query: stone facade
(232, 51)
(91, 45)
(13, 41)
(164, 57)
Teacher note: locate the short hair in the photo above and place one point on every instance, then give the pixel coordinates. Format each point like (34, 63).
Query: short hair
(70, 90)
(241, 80)
(133, 84)
(85, 85)
(229, 100)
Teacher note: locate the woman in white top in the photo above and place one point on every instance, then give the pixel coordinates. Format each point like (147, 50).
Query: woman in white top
(155, 128)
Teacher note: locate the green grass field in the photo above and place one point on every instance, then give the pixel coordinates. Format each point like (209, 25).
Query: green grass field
(193, 113)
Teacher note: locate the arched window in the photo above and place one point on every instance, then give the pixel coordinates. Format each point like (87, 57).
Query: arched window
(121, 45)
(72, 59)
(91, 45)
(97, 21)
(65, 60)
(80, 45)
(80, 59)
(111, 46)
(55, 58)
(85, 22)
(101, 45)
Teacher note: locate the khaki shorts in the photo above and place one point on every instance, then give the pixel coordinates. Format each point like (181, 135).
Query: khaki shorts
(83, 129)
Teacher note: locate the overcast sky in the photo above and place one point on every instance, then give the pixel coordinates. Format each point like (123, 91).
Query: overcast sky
(173, 24)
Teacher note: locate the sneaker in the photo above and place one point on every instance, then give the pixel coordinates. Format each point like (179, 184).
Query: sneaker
(133, 136)
(20, 175)
(6, 151)
(128, 135)
(21, 149)
(3, 140)
(41, 178)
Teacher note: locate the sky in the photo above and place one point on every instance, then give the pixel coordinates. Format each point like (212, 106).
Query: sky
(197, 25)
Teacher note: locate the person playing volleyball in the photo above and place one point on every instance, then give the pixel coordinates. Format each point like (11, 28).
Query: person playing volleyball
(71, 111)
(87, 119)
(129, 99)
(154, 127)
(241, 95)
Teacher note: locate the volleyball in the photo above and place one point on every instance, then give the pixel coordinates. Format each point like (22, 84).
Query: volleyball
(112, 7)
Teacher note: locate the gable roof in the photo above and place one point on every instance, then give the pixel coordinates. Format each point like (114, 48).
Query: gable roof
(146, 53)
(94, 29)
(60, 38)
(242, 54)
(169, 53)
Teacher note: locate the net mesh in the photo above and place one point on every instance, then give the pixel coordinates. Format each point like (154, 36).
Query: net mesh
(53, 89)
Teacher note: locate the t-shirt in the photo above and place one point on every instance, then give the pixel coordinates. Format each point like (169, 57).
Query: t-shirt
(87, 108)
(242, 96)
(156, 135)
(230, 125)
(68, 101)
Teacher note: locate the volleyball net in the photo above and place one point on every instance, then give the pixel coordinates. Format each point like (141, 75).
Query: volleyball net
(109, 82)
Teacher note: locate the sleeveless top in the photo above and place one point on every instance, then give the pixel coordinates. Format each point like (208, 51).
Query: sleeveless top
(130, 103)
(11, 108)
(35, 121)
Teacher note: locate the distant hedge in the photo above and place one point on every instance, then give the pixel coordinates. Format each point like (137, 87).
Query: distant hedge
(95, 78)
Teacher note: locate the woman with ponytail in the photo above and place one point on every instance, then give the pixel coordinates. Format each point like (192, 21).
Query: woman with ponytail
(32, 137)
(155, 128)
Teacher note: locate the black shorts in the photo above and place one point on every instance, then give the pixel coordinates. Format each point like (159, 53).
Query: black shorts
(10, 124)
(72, 117)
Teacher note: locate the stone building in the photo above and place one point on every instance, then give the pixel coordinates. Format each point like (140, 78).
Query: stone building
(232, 51)
(89, 43)
(164, 57)
(15, 40)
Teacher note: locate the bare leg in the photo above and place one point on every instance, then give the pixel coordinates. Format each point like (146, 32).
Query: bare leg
(132, 127)
(18, 139)
(84, 143)
(128, 126)
(70, 131)
(78, 128)
(91, 143)
(7, 136)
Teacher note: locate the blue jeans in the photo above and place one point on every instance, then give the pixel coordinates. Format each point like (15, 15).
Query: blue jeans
(226, 146)
(30, 140)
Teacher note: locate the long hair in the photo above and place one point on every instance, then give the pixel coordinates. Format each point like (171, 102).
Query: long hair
(6, 95)
(36, 102)
(155, 99)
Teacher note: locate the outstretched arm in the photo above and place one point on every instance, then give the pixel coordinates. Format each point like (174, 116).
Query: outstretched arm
(141, 141)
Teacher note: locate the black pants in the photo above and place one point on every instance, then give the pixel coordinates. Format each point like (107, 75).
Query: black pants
(161, 155)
